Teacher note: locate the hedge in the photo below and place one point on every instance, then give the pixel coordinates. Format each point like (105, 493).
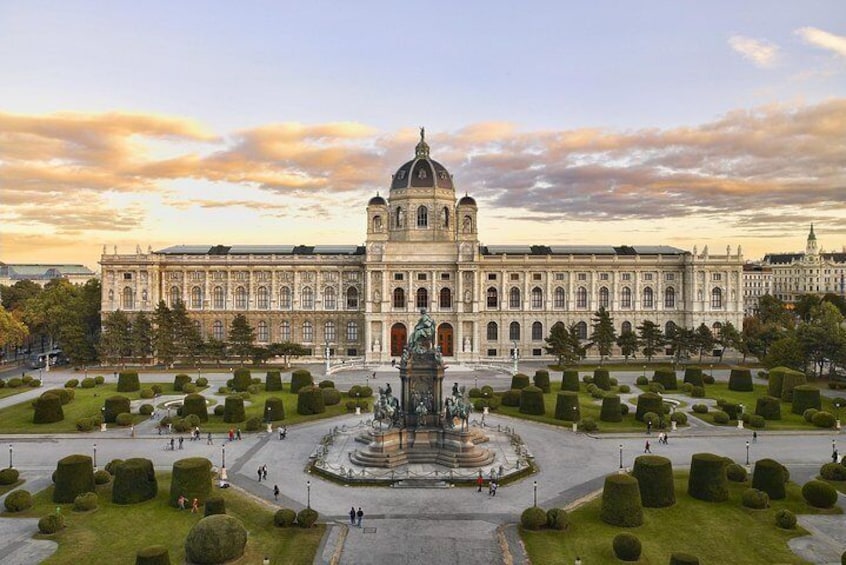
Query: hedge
(128, 382)
(284, 518)
(791, 380)
(152, 555)
(736, 473)
(570, 380)
(804, 397)
(192, 479)
(511, 398)
(306, 517)
(18, 501)
(654, 476)
(823, 420)
(331, 396)
(755, 499)
(557, 519)
(233, 409)
(610, 411)
(115, 405)
(310, 401)
(302, 378)
(541, 380)
(51, 523)
(829, 472)
(214, 505)
(627, 547)
(135, 481)
(693, 375)
(740, 380)
(216, 539)
(74, 476)
(707, 480)
(48, 409)
(533, 518)
(819, 494)
(602, 379)
(180, 381)
(195, 404)
(648, 402)
(273, 381)
(621, 504)
(274, 408)
(666, 378)
(768, 407)
(566, 406)
(531, 401)
(769, 477)
(519, 381)
(679, 558)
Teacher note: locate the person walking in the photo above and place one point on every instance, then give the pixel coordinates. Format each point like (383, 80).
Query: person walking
(264, 472)
(195, 506)
(755, 437)
(231, 434)
(238, 434)
(171, 444)
(181, 439)
(358, 516)
(279, 429)
(259, 473)
(479, 482)
(276, 492)
(834, 456)
(352, 516)
(181, 502)
(646, 448)
(209, 440)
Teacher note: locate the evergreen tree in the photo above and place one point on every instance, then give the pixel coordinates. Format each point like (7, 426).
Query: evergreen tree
(164, 340)
(241, 337)
(681, 340)
(116, 339)
(188, 340)
(287, 350)
(703, 340)
(141, 336)
(628, 344)
(730, 339)
(215, 349)
(603, 335)
(564, 343)
(650, 337)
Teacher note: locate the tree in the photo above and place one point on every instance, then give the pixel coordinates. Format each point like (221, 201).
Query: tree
(241, 337)
(603, 335)
(49, 310)
(730, 339)
(758, 335)
(215, 349)
(805, 304)
(564, 343)
(164, 342)
(12, 331)
(116, 339)
(785, 352)
(141, 336)
(650, 337)
(772, 310)
(628, 344)
(822, 336)
(287, 350)
(260, 355)
(13, 297)
(681, 341)
(703, 340)
(837, 300)
(186, 335)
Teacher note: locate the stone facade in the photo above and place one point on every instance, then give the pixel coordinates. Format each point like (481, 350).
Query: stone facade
(757, 282)
(422, 251)
(811, 272)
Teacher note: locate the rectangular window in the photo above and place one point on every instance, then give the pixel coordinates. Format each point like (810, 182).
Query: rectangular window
(559, 276)
(716, 276)
(127, 276)
(491, 276)
(421, 276)
(670, 277)
(627, 276)
(491, 352)
(582, 276)
(647, 276)
(537, 277)
(537, 352)
(514, 276)
(603, 276)
(444, 276)
(352, 352)
(398, 276)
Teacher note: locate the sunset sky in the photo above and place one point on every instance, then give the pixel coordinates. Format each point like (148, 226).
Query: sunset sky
(160, 123)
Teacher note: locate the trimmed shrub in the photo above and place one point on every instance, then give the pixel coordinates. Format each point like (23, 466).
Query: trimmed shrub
(252, 424)
(310, 401)
(202, 382)
(708, 379)
(224, 390)
(135, 481)
(18, 501)
(707, 480)
(651, 417)
(366, 392)
(790, 380)
(191, 479)
(533, 518)
(531, 401)
(519, 381)
(804, 397)
(624, 408)
(307, 517)
(693, 375)
(85, 502)
(15, 382)
(654, 476)
(587, 379)
(474, 393)
(195, 404)
(146, 409)
(10, 476)
(700, 408)
(253, 389)
(648, 402)
(740, 380)
(757, 422)
(331, 396)
(302, 378)
(189, 388)
(233, 409)
(823, 420)
(241, 379)
(128, 382)
(627, 547)
(541, 380)
(219, 410)
(85, 424)
(511, 398)
(621, 505)
(602, 379)
(124, 419)
(829, 472)
(768, 476)
(557, 519)
(488, 391)
(566, 406)
(610, 411)
(48, 409)
(115, 405)
(72, 383)
(679, 558)
(588, 425)
(102, 477)
(720, 417)
(147, 393)
(284, 518)
(686, 388)
(51, 523)
(152, 555)
(775, 382)
(666, 378)
(273, 381)
(768, 407)
(642, 381)
(819, 494)
(656, 387)
(624, 389)
(111, 466)
(274, 408)
(216, 539)
(180, 381)
(697, 392)
(570, 380)
(214, 505)
(74, 476)
(736, 473)
(785, 518)
(680, 418)
(808, 415)
(755, 499)
(65, 394)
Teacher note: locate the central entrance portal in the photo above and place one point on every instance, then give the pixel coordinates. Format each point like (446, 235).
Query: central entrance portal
(399, 336)
(445, 340)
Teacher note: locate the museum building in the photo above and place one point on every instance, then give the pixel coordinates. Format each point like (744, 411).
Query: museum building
(422, 251)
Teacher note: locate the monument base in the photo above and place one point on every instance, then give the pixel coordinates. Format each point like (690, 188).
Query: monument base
(449, 448)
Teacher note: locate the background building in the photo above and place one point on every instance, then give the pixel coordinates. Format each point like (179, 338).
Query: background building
(757, 282)
(422, 251)
(42, 274)
(811, 272)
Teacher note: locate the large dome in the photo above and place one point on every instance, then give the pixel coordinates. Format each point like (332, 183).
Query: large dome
(422, 172)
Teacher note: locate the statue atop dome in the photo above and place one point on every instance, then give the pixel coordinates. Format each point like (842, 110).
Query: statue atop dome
(422, 149)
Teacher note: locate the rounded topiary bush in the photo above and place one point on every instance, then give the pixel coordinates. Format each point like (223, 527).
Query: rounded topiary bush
(366, 392)
(666, 378)
(274, 408)
(146, 409)
(557, 519)
(51, 523)
(736, 473)
(195, 404)
(602, 379)
(18, 501)
(48, 409)
(307, 517)
(700, 408)
(102, 477)
(519, 381)
(241, 379)
(697, 392)
(135, 481)
(642, 381)
(310, 401)
(72, 383)
(273, 381)
(302, 378)
(331, 396)
(823, 420)
(707, 480)
(680, 418)
(511, 398)
(124, 419)
(233, 409)
(9, 476)
(253, 424)
(651, 418)
(566, 406)
(531, 401)
(785, 518)
(790, 380)
(804, 397)
(216, 539)
(656, 387)
(648, 402)
(808, 415)
(693, 375)
(152, 555)
(147, 393)
(284, 518)
(819, 494)
(720, 417)
(180, 381)
(533, 518)
(128, 382)
(189, 388)
(588, 425)
(654, 476)
(64, 394)
(74, 476)
(755, 499)
(85, 502)
(192, 479)
(202, 382)
(624, 389)
(829, 472)
(769, 477)
(740, 380)
(610, 411)
(570, 380)
(768, 407)
(115, 405)
(678, 558)
(541, 380)
(627, 547)
(621, 505)
(214, 505)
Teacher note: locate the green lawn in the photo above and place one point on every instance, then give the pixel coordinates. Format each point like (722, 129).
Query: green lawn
(715, 532)
(8, 391)
(113, 533)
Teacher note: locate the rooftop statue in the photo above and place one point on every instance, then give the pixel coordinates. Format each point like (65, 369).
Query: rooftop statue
(423, 336)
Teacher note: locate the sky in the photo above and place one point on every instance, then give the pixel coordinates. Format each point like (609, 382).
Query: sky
(158, 123)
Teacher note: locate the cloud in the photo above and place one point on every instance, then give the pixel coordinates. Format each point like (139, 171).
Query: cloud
(760, 51)
(823, 39)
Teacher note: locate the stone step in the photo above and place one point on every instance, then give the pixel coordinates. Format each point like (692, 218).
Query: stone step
(421, 483)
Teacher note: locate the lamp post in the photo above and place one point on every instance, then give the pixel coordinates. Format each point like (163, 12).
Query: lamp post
(712, 371)
(535, 489)
(834, 450)
(308, 494)
(223, 457)
(575, 418)
(10, 456)
(475, 382)
(514, 356)
(747, 453)
(644, 372)
(95, 456)
(621, 456)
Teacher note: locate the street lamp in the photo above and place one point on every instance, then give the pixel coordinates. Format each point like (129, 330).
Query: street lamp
(834, 449)
(308, 494)
(644, 372)
(535, 488)
(267, 415)
(95, 456)
(223, 457)
(621, 456)
(747, 453)
(475, 382)
(10, 456)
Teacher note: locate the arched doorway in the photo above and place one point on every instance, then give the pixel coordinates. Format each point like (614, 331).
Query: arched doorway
(399, 336)
(445, 340)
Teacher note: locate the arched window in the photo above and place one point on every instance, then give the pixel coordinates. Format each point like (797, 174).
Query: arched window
(218, 298)
(240, 298)
(446, 298)
(422, 298)
(716, 330)
(175, 296)
(493, 331)
(559, 298)
(603, 297)
(537, 298)
(648, 301)
(217, 330)
(308, 332)
(581, 297)
(143, 296)
(422, 217)
(352, 331)
(514, 298)
(329, 331)
(716, 297)
(669, 297)
(399, 218)
(199, 328)
(308, 298)
(329, 298)
(626, 327)
(581, 330)
(626, 297)
(285, 298)
(492, 297)
(399, 298)
(127, 299)
(196, 298)
(467, 224)
(352, 298)
(537, 331)
(262, 298)
(262, 333)
(285, 331)
(377, 223)
(514, 331)
(669, 329)
(445, 217)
